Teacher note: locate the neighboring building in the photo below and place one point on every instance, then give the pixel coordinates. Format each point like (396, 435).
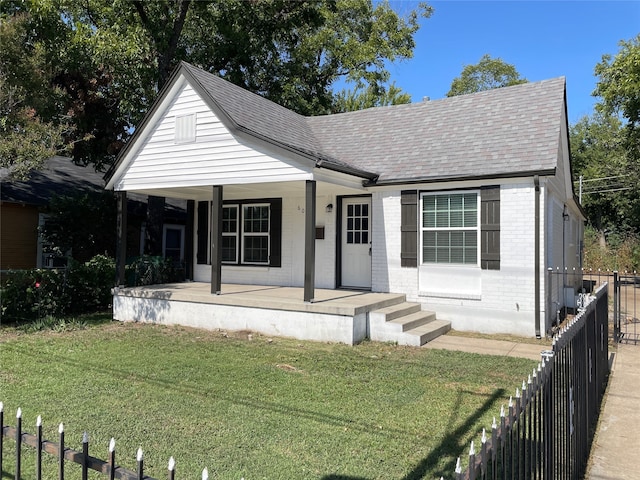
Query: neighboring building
(461, 204)
(23, 207)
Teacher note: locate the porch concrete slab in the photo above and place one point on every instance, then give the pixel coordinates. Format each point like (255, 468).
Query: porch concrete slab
(487, 347)
(333, 302)
(617, 440)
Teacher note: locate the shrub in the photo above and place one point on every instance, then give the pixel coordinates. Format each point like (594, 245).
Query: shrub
(40, 293)
(619, 252)
(150, 270)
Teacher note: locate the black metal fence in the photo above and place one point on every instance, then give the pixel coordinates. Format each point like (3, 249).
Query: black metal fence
(567, 290)
(546, 431)
(626, 308)
(63, 454)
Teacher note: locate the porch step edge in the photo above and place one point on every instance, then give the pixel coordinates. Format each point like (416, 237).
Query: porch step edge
(412, 321)
(426, 333)
(398, 310)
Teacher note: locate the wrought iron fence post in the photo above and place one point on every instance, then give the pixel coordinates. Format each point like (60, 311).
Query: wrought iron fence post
(616, 313)
(549, 321)
(1, 432)
(18, 441)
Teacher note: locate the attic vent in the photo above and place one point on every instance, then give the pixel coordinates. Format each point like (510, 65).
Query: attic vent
(185, 128)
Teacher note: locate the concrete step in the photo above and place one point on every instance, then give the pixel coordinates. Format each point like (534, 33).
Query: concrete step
(426, 333)
(406, 324)
(399, 310)
(412, 321)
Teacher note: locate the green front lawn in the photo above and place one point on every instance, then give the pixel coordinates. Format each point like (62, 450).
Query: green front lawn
(252, 406)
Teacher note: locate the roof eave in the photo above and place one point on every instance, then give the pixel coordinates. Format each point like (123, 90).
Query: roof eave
(458, 178)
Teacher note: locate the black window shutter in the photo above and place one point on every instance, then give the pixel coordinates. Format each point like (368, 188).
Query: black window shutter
(203, 233)
(490, 228)
(276, 233)
(409, 228)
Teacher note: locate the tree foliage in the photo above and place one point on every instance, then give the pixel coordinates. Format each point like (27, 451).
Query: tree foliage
(487, 74)
(359, 99)
(610, 193)
(619, 90)
(30, 129)
(68, 230)
(107, 59)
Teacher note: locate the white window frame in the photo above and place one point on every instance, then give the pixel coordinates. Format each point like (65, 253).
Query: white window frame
(244, 234)
(424, 229)
(235, 234)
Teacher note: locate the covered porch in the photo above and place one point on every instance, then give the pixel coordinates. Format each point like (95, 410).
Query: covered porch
(334, 316)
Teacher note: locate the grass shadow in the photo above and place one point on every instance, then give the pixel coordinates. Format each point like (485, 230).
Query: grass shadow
(451, 445)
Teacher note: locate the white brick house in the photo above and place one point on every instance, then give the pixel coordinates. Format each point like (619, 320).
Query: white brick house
(460, 204)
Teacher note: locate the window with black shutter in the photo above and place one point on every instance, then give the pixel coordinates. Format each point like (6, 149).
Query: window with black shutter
(409, 228)
(490, 227)
(251, 232)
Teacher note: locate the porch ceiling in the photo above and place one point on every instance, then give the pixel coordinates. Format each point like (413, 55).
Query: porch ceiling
(256, 190)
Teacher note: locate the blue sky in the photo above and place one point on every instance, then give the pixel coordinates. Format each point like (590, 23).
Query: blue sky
(542, 39)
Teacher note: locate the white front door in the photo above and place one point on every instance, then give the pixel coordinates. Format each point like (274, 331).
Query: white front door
(356, 242)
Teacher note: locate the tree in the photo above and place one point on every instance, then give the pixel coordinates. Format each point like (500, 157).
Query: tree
(358, 99)
(487, 74)
(26, 140)
(610, 192)
(618, 87)
(110, 58)
(67, 229)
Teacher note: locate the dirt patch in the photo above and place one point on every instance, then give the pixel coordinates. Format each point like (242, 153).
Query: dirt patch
(288, 368)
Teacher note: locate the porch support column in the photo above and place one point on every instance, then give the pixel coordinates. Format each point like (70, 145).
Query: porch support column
(216, 240)
(309, 240)
(121, 241)
(189, 239)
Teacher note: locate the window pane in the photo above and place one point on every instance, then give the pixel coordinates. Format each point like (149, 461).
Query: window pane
(229, 219)
(256, 249)
(442, 219)
(456, 219)
(365, 209)
(256, 219)
(365, 237)
(229, 249)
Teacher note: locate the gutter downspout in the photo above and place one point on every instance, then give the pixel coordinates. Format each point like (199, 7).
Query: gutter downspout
(536, 183)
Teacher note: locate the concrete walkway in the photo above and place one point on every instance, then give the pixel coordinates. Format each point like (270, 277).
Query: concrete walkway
(617, 440)
(487, 347)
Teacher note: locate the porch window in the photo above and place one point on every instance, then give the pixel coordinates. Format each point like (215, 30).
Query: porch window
(173, 242)
(255, 234)
(450, 228)
(251, 232)
(230, 234)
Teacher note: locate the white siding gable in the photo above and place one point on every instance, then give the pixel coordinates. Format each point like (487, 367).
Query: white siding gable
(172, 154)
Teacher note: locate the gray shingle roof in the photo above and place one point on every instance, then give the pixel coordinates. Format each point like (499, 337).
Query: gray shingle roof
(493, 133)
(59, 176)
